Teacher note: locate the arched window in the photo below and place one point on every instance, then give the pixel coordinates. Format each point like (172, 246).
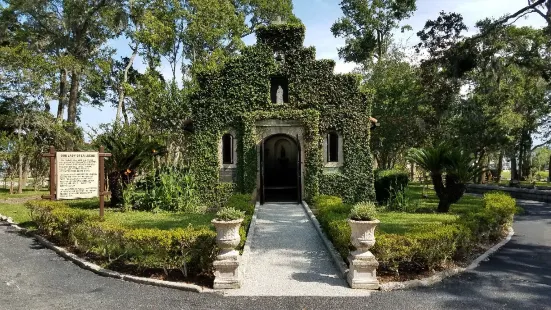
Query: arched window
(227, 149)
(332, 147)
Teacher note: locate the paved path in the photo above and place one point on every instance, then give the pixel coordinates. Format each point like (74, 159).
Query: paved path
(288, 258)
(517, 277)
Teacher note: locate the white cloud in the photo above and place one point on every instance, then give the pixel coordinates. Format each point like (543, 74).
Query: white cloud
(344, 67)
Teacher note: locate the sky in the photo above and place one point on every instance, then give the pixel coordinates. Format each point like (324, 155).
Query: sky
(319, 15)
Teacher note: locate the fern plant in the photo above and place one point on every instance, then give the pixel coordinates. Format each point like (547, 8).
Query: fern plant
(450, 169)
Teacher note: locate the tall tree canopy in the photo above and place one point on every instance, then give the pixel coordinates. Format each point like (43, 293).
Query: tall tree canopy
(367, 26)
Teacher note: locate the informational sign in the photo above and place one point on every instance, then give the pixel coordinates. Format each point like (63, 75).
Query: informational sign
(77, 175)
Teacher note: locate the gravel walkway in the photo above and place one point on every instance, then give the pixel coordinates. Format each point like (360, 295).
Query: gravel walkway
(288, 258)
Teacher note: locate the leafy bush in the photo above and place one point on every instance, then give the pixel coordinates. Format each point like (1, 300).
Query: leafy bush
(229, 214)
(55, 219)
(363, 211)
(187, 249)
(241, 202)
(450, 169)
(427, 248)
(400, 201)
(502, 205)
(217, 197)
(169, 189)
(390, 182)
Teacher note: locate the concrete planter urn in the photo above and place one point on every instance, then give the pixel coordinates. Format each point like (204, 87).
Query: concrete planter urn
(226, 265)
(363, 265)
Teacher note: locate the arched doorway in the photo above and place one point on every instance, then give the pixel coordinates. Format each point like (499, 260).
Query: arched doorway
(280, 169)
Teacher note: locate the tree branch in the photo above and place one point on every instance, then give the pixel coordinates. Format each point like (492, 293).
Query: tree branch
(541, 144)
(507, 18)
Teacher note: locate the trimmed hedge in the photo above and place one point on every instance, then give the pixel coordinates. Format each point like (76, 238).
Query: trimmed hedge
(187, 249)
(243, 202)
(426, 249)
(389, 181)
(191, 250)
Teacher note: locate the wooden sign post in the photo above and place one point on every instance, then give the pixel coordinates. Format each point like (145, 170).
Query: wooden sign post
(73, 175)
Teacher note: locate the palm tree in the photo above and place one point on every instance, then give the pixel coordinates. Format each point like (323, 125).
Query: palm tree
(130, 149)
(450, 169)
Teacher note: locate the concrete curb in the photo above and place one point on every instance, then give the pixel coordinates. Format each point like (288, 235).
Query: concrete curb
(84, 264)
(491, 250)
(247, 248)
(337, 259)
(438, 277)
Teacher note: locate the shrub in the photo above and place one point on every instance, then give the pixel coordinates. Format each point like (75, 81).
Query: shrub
(400, 201)
(186, 249)
(426, 248)
(363, 211)
(56, 220)
(217, 197)
(242, 202)
(169, 189)
(389, 182)
(502, 205)
(229, 214)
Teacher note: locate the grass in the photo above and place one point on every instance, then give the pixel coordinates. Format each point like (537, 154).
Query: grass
(402, 223)
(17, 212)
(5, 193)
(131, 219)
(424, 219)
(464, 205)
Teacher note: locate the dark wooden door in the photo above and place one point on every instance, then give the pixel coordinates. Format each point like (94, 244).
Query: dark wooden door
(299, 171)
(262, 189)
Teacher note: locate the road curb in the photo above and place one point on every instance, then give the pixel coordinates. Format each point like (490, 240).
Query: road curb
(335, 255)
(84, 264)
(247, 247)
(491, 251)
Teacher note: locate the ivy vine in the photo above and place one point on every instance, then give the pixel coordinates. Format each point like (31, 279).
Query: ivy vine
(236, 95)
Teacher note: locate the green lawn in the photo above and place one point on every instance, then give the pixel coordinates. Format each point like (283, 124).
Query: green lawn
(17, 212)
(131, 219)
(466, 204)
(5, 193)
(402, 223)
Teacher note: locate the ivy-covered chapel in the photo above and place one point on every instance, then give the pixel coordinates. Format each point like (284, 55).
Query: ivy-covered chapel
(279, 124)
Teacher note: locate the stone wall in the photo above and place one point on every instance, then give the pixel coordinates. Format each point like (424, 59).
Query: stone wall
(519, 193)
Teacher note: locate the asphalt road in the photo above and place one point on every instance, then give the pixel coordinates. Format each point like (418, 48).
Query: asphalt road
(517, 277)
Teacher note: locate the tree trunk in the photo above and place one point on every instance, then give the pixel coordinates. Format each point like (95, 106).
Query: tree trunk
(26, 171)
(122, 94)
(20, 187)
(443, 206)
(125, 115)
(20, 158)
(437, 182)
(514, 174)
(499, 167)
(480, 178)
(549, 169)
(72, 106)
(61, 95)
(115, 187)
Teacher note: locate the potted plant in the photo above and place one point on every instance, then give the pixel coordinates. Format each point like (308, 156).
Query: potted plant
(363, 222)
(227, 223)
(226, 265)
(363, 265)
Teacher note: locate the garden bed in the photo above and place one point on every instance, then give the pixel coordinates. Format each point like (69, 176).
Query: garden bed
(162, 245)
(415, 244)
